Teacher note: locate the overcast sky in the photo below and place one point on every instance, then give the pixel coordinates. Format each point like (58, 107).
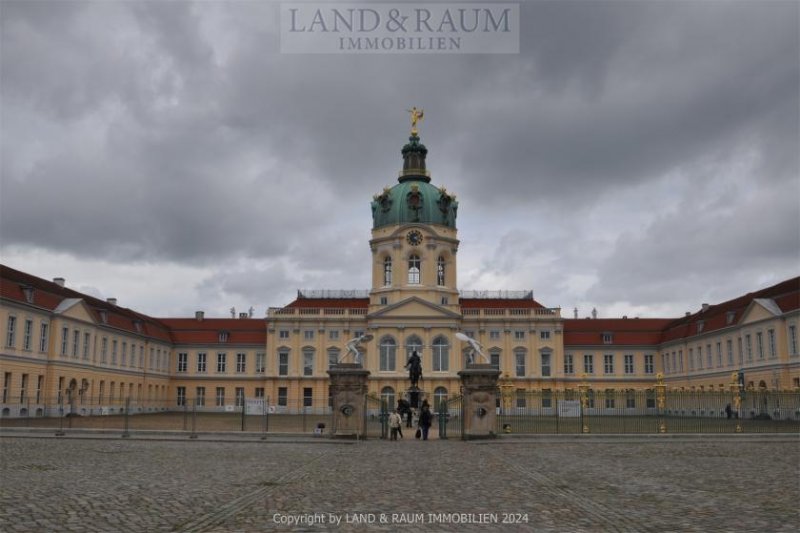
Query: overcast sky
(636, 157)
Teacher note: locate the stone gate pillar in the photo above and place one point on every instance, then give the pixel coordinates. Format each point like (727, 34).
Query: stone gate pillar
(479, 386)
(348, 388)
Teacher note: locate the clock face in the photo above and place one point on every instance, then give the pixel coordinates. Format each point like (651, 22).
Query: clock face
(414, 238)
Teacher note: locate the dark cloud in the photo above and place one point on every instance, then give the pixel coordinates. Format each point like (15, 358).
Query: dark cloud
(144, 132)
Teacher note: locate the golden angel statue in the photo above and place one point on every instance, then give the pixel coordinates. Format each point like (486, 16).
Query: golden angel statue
(416, 116)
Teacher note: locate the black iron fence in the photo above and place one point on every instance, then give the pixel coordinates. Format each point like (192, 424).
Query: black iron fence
(648, 411)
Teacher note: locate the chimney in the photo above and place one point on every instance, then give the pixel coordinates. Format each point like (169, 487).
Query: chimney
(624, 317)
(199, 315)
(59, 281)
(575, 312)
(705, 307)
(687, 313)
(243, 315)
(112, 301)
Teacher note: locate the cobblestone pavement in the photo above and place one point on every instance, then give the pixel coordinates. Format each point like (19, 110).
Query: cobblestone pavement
(593, 484)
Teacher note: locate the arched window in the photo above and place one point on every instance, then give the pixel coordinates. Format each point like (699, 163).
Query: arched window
(413, 270)
(387, 271)
(388, 351)
(439, 397)
(333, 356)
(387, 395)
(440, 271)
(413, 343)
(441, 355)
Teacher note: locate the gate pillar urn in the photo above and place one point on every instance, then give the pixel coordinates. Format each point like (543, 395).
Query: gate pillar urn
(348, 388)
(479, 388)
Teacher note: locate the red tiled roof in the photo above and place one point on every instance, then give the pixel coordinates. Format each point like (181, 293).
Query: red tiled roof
(330, 303)
(499, 303)
(625, 331)
(786, 294)
(48, 295)
(206, 331)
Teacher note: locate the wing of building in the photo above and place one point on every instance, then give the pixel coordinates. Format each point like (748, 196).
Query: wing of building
(58, 343)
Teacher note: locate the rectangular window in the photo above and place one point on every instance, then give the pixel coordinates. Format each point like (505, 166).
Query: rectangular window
(494, 360)
(519, 335)
(308, 399)
(141, 356)
(569, 367)
(241, 360)
(588, 364)
(793, 339)
(43, 337)
(333, 334)
(114, 352)
(239, 396)
(220, 396)
(23, 389)
(183, 362)
(771, 337)
(629, 363)
(181, 396)
(610, 403)
(494, 335)
(700, 358)
(259, 392)
(333, 356)
(308, 334)
(709, 357)
(674, 362)
(124, 356)
(86, 342)
(520, 399)
(691, 359)
(719, 354)
(283, 396)
(201, 363)
(261, 361)
(27, 334)
(283, 363)
(741, 351)
(648, 364)
(547, 398)
(760, 345)
(680, 360)
(283, 334)
(308, 363)
(104, 350)
(6, 386)
(520, 363)
(729, 347)
(64, 340)
(12, 331)
(748, 341)
(76, 341)
(608, 364)
(39, 385)
(221, 361)
(200, 396)
(546, 365)
(544, 335)
(665, 362)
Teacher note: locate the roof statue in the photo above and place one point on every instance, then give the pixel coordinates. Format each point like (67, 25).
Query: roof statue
(416, 116)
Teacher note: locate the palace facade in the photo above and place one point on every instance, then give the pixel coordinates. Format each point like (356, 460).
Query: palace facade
(58, 343)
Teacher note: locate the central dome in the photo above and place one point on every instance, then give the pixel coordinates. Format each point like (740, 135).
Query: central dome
(414, 199)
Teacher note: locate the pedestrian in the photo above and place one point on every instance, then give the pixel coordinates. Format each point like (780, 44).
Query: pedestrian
(728, 411)
(402, 408)
(425, 421)
(394, 424)
(409, 418)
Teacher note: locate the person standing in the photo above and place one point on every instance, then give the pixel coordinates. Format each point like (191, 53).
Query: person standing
(394, 424)
(425, 421)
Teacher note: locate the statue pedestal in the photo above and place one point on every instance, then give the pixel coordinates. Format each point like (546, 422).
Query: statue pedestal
(415, 397)
(348, 388)
(479, 386)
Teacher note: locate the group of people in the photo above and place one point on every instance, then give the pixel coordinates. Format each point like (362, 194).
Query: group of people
(404, 410)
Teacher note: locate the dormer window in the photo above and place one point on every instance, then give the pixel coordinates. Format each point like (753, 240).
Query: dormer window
(608, 338)
(700, 325)
(138, 325)
(104, 316)
(223, 336)
(729, 316)
(27, 292)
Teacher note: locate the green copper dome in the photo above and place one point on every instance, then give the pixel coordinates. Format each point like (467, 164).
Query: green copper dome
(414, 199)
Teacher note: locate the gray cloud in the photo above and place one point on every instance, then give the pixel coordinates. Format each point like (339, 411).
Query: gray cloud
(150, 132)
